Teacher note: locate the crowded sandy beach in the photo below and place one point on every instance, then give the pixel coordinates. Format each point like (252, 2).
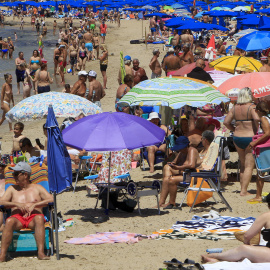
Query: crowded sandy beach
(165, 97)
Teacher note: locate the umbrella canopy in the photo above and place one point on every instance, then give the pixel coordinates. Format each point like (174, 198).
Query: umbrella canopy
(219, 76)
(65, 105)
(112, 132)
(173, 92)
(59, 162)
(230, 63)
(256, 41)
(188, 68)
(244, 32)
(259, 82)
(233, 94)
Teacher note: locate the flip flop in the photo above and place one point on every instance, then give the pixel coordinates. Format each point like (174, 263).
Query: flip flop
(95, 220)
(173, 262)
(188, 261)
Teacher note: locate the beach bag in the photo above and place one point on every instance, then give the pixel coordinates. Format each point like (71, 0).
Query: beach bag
(203, 195)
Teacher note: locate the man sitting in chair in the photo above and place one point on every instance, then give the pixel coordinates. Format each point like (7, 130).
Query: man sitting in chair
(188, 158)
(26, 201)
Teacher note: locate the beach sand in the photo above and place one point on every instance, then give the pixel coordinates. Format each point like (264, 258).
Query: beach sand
(147, 254)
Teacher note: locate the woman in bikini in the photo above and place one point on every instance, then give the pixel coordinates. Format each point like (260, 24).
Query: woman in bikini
(245, 127)
(103, 63)
(82, 56)
(6, 98)
(34, 64)
(4, 48)
(10, 47)
(43, 79)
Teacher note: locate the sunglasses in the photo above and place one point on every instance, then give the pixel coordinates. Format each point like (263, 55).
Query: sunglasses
(17, 173)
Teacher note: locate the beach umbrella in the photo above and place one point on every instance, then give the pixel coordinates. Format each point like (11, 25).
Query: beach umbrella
(219, 76)
(112, 132)
(188, 68)
(259, 82)
(230, 63)
(65, 105)
(59, 165)
(256, 41)
(157, 14)
(244, 32)
(173, 92)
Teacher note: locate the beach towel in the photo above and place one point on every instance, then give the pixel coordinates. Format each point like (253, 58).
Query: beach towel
(244, 265)
(107, 238)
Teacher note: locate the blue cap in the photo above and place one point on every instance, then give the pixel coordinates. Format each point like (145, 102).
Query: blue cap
(180, 143)
(127, 57)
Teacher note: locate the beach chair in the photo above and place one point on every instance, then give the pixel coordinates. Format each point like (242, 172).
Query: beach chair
(261, 155)
(24, 240)
(211, 176)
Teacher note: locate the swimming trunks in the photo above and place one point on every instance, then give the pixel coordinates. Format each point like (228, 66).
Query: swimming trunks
(89, 46)
(73, 60)
(154, 75)
(96, 46)
(103, 67)
(103, 35)
(64, 64)
(20, 75)
(4, 50)
(153, 29)
(92, 26)
(43, 89)
(26, 220)
(242, 142)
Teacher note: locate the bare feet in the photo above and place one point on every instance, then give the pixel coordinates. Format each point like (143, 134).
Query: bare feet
(245, 193)
(42, 256)
(3, 258)
(152, 169)
(206, 259)
(164, 204)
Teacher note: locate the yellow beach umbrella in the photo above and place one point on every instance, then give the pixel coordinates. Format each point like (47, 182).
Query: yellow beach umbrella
(230, 63)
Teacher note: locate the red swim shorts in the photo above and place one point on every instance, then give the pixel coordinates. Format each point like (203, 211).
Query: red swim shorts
(64, 64)
(26, 220)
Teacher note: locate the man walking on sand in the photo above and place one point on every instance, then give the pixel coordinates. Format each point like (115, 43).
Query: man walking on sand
(96, 91)
(155, 65)
(20, 69)
(26, 201)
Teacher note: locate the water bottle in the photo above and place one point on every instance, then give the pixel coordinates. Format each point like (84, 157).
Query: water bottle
(93, 97)
(214, 250)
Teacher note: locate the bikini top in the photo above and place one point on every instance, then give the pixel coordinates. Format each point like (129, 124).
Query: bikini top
(243, 120)
(34, 61)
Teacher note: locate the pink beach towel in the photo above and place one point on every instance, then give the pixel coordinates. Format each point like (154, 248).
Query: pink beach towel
(105, 238)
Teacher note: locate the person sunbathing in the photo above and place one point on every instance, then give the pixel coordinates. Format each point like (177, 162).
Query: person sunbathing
(154, 118)
(256, 254)
(187, 158)
(26, 201)
(196, 130)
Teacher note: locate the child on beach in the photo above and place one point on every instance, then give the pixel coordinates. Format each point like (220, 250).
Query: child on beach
(18, 129)
(66, 89)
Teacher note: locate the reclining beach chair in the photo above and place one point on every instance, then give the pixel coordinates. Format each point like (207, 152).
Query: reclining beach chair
(261, 154)
(24, 240)
(211, 176)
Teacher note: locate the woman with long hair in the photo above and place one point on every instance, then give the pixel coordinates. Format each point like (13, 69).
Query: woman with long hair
(245, 127)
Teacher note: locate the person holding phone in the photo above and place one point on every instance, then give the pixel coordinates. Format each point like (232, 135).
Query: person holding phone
(39, 145)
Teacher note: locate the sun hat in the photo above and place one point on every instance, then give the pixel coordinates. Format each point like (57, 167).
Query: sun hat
(21, 166)
(127, 58)
(82, 73)
(171, 50)
(155, 50)
(153, 115)
(180, 143)
(92, 73)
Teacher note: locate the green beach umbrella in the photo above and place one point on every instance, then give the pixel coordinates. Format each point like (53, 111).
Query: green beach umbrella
(173, 92)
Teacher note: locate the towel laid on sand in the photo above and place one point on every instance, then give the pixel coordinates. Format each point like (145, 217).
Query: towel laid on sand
(108, 238)
(244, 265)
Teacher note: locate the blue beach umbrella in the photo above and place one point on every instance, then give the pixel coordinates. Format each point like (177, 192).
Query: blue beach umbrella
(255, 41)
(59, 164)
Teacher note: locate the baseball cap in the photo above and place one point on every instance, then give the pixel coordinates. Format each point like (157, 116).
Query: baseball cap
(61, 46)
(82, 73)
(92, 73)
(171, 50)
(127, 57)
(21, 166)
(180, 143)
(155, 50)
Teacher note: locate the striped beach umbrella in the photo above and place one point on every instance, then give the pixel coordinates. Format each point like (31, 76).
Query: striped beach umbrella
(173, 92)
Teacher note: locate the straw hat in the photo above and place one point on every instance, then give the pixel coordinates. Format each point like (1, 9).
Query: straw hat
(254, 241)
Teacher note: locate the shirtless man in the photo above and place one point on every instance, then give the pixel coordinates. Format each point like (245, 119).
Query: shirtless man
(155, 65)
(88, 39)
(20, 69)
(62, 62)
(196, 130)
(96, 91)
(205, 18)
(56, 55)
(187, 57)
(92, 23)
(153, 27)
(176, 38)
(128, 69)
(18, 129)
(54, 27)
(79, 88)
(26, 201)
(171, 62)
(73, 51)
(187, 158)
(118, 18)
(221, 50)
(187, 37)
(138, 73)
(265, 64)
(26, 146)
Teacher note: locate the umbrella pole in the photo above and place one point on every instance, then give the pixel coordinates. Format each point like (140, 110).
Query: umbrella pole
(108, 191)
(56, 226)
